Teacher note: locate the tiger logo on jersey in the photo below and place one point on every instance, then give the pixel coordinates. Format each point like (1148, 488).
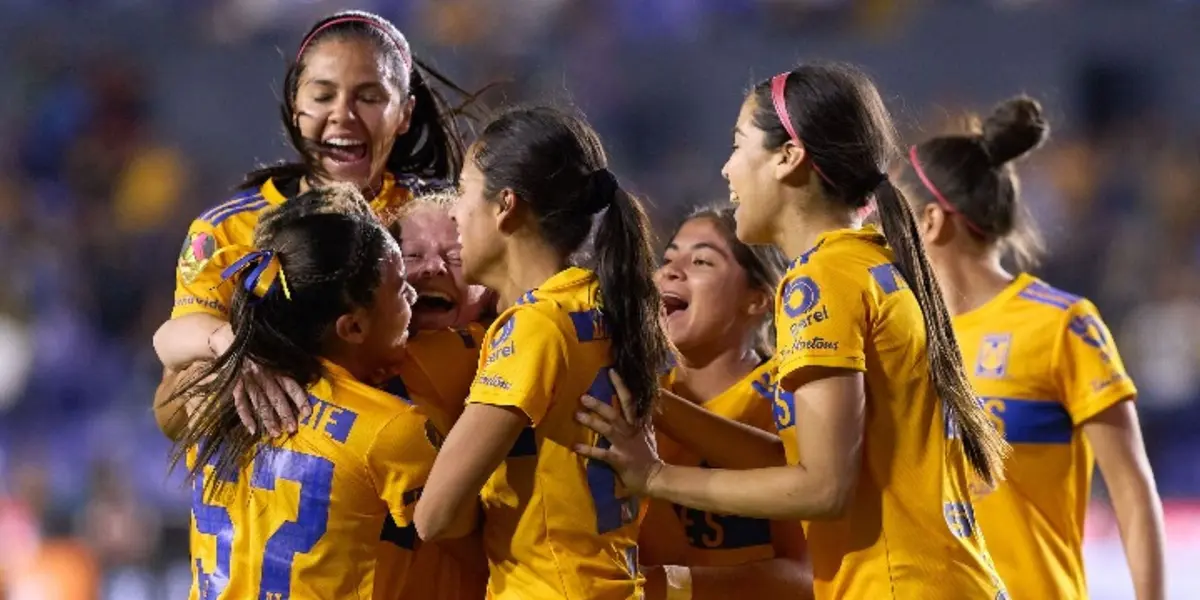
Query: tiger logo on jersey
(993, 356)
(197, 249)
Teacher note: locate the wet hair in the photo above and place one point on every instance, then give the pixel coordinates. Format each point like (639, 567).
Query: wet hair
(835, 112)
(554, 164)
(971, 176)
(432, 146)
(764, 265)
(330, 250)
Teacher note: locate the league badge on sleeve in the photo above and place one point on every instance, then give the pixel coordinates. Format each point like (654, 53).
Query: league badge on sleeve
(197, 249)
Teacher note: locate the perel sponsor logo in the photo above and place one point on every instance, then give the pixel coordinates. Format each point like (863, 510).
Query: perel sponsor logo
(817, 316)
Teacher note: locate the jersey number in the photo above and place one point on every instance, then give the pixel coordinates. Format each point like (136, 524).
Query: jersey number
(611, 512)
(315, 476)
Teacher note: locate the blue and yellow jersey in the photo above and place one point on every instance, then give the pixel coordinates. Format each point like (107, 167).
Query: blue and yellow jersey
(1043, 362)
(677, 535)
(303, 518)
(554, 524)
(909, 531)
(440, 365)
(197, 282)
(436, 375)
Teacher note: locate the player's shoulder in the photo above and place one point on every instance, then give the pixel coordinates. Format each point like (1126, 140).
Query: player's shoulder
(359, 410)
(234, 217)
(1038, 301)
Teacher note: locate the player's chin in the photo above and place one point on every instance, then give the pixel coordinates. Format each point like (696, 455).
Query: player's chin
(357, 172)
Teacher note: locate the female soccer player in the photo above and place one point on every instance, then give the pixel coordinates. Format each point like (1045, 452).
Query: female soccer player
(877, 419)
(358, 110)
(555, 525)
(1043, 361)
(322, 298)
(718, 296)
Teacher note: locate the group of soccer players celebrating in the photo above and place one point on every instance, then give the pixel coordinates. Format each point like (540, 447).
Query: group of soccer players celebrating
(401, 369)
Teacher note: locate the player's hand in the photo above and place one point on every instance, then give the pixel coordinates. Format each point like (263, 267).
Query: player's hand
(628, 448)
(262, 395)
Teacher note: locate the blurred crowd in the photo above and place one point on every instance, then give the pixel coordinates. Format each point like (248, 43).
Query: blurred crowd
(99, 179)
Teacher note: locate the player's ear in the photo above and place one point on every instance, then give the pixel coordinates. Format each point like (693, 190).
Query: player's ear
(353, 326)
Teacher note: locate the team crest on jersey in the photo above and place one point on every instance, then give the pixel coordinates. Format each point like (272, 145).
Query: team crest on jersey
(197, 249)
(800, 296)
(434, 436)
(992, 362)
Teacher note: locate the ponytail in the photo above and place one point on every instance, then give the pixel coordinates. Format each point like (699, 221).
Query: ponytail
(630, 300)
(984, 447)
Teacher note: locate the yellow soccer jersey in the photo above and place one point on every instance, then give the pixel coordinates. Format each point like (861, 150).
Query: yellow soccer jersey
(1044, 363)
(909, 531)
(436, 375)
(554, 525)
(197, 283)
(310, 507)
(440, 365)
(686, 536)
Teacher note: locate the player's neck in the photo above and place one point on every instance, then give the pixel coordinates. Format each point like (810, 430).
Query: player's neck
(797, 230)
(529, 264)
(970, 281)
(365, 371)
(701, 376)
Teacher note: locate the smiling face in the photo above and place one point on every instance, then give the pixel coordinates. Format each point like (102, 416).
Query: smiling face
(752, 172)
(478, 224)
(433, 255)
(386, 320)
(349, 104)
(708, 301)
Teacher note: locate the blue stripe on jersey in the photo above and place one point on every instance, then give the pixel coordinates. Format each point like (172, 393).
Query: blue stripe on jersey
(242, 197)
(1044, 294)
(710, 531)
(404, 537)
(1031, 421)
(237, 210)
(526, 298)
(589, 325)
(526, 444)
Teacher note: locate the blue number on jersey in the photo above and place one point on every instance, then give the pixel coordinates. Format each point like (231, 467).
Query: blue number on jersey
(611, 512)
(212, 520)
(315, 476)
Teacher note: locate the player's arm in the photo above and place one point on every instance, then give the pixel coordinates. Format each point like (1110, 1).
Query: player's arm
(828, 396)
(195, 336)
(1099, 395)
(830, 411)
(722, 442)
(512, 392)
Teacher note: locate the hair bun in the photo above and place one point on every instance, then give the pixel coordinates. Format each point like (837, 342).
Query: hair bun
(1014, 129)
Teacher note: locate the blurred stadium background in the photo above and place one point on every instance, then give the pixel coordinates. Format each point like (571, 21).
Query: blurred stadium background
(121, 120)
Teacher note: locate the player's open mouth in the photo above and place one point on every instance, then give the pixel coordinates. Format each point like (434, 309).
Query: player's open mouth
(434, 301)
(344, 150)
(733, 197)
(673, 304)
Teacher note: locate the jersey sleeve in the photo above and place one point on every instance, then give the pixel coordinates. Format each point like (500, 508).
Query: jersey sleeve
(526, 350)
(198, 274)
(399, 462)
(1091, 374)
(820, 320)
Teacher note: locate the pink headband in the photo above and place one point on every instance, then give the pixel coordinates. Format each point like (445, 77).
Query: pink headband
(355, 19)
(778, 89)
(941, 200)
